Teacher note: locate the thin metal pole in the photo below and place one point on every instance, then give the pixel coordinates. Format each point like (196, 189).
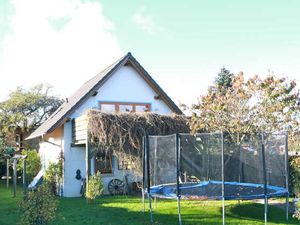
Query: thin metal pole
(223, 188)
(155, 167)
(179, 210)
(177, 148)
(15, 176)
(87, 163)
(266, 209)
(24, 178)
(265, 179)
(287, 176)
(143, 200)
(148, 176)
(150, 207)
(7, 173)
(144, 169)
(287, 206)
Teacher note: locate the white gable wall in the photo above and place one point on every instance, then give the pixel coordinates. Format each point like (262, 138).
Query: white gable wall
(126, 85)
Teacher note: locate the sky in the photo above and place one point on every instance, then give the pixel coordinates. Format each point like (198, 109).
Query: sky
(182, 44)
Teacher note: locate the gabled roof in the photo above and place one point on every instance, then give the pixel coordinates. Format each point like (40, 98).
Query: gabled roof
(89, 88)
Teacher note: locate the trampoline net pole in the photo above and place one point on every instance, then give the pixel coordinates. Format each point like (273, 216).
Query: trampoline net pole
(177, 148)
(150, 207)
(143, 184)
(287, 175)
(143, 200)
(155, 168)
(148, 176)
(265, 178)
(223, 194)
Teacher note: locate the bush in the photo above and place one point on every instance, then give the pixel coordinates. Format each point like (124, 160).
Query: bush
(33, 164)
(53, 176)
(295, 175)
(296, 213)
(95, 186)
(39, 208)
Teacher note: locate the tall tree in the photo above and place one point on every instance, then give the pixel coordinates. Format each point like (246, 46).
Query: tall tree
(263, 105)
(224, 78)
(26, 110)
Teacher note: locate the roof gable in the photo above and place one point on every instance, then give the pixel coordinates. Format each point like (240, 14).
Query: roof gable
(89, 88)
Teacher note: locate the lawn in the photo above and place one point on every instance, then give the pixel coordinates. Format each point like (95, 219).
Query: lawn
(127, 211)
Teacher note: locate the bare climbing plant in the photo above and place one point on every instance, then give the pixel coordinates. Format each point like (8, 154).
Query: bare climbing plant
(122, 133)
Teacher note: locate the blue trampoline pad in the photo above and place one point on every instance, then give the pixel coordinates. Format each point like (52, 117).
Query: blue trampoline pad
(207, 190)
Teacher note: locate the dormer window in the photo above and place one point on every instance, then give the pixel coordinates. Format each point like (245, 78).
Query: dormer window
(124, 107)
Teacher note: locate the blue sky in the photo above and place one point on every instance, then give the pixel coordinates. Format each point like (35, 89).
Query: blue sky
(182, 44)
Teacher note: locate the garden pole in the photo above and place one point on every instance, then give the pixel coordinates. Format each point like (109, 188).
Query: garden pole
(148, 177)
(143, 185)
(265, 179)
(7, 172)
(223, 189)
(155, 168)
(143, 200)
(87, 162)
(177, 148)
(24, 178)
(287, 175)
(15, 176)
(150, 207)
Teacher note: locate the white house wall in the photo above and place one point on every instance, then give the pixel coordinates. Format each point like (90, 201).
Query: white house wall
(126, 85)
(51, 147)
(49, 151)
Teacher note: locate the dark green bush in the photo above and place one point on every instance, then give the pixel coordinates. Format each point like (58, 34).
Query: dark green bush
(295, 175)
(39, 208)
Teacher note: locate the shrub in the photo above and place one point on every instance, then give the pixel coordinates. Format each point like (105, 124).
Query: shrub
(39, 208)
(296, 213)
(295, 175)
(33, 164)
(95, 186)
(53, 175)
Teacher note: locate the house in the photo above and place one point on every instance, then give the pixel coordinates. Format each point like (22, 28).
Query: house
(124, 86)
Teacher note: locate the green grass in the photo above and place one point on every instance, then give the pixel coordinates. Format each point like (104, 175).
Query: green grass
(127, 211)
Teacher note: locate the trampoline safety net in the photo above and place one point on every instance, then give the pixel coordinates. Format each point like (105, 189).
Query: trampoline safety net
(216, 165)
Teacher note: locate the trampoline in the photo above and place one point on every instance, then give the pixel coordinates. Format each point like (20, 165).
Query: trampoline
(216, 166)
(209, 190)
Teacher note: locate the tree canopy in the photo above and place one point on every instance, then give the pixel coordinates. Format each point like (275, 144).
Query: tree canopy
(26, 110)
(256, 104)
(224, 79)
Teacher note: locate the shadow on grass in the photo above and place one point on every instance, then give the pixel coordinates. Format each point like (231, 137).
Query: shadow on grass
(127, 211)
(255, 212)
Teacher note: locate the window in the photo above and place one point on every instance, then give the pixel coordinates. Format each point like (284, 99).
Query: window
(103, 163)
(124, 107)
(142, 108)
(108, 108)
(124, 164)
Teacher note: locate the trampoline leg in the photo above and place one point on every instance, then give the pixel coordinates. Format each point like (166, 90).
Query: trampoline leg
(150, 208)
(179, 210)
(266, 210)
(223, 211)
(143, 200)
(287, 207)
(155, 202)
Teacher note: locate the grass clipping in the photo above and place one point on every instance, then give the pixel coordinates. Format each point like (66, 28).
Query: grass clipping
(122, 133)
